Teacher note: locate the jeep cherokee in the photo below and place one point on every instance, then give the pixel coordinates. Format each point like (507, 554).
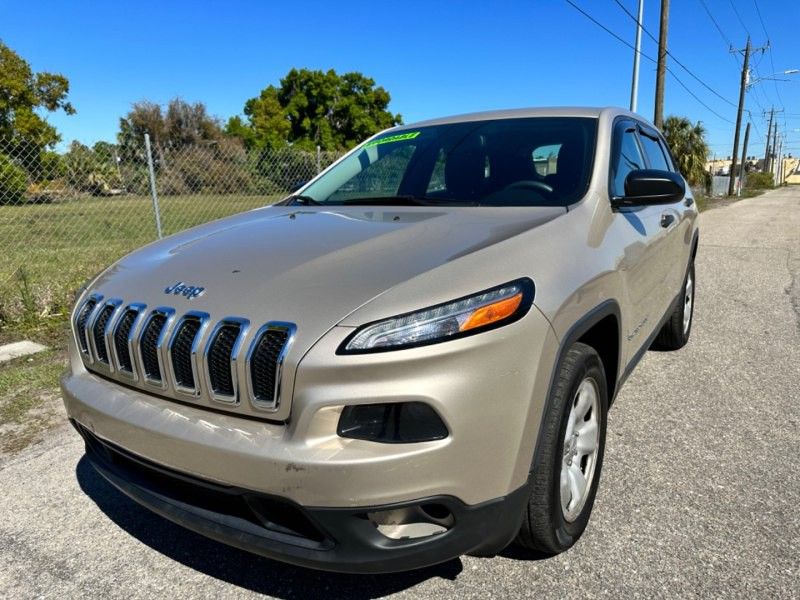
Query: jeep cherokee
(410, 358)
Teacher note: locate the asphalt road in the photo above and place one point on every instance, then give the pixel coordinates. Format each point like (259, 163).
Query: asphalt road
(699, 495)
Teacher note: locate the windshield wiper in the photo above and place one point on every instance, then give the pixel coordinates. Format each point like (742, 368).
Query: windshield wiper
(389, 201)
(304, 200)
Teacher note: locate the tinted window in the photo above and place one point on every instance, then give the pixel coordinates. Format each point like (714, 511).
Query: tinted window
(629, 159)
(540, 161)
(654, 152)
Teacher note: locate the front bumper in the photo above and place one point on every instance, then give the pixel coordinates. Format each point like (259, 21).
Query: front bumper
(488, 389)
(333, 539)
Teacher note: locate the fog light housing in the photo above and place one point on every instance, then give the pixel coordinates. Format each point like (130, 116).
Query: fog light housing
(413, 522)
(392, 423)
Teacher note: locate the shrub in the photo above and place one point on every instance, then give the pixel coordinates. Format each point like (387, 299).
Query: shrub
(13, 182)
(758, 181)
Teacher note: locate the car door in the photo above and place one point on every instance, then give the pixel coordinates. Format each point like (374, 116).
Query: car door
(672, 219)
(642, 237)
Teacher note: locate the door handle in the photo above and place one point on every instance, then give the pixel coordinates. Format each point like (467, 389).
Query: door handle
(667, 219)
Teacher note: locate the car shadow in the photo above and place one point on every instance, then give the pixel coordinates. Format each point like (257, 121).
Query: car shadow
(234, 566)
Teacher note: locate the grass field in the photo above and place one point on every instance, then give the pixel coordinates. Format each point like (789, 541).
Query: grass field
(47, 251)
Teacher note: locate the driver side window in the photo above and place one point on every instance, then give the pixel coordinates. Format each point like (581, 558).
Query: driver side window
(629, 159)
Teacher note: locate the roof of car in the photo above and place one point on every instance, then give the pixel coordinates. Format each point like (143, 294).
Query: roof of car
(516, 113)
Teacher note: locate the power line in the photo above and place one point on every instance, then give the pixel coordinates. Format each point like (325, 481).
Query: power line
(725, 38)
(675, 58)
(738, 16)
(650, 58)
(607, 30)
(713, 20)
(771, 59)
(693, 95)
(758, 11)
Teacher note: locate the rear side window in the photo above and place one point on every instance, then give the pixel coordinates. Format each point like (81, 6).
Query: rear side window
(655, 153)
(629, 159)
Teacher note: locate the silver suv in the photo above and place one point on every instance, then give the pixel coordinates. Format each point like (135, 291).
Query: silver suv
(410, 358)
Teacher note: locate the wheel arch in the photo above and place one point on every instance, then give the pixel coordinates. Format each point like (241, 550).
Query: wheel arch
(601, 329)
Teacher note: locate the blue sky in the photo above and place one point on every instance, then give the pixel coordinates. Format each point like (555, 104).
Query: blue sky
(435, 58)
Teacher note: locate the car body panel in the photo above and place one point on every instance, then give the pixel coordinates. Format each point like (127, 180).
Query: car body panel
(332, 269)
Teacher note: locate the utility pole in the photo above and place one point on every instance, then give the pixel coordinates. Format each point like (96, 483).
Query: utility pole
(744, 157)
(742, 89)
(773, 146)
(769, 139)
(661, 65)
(636, 56)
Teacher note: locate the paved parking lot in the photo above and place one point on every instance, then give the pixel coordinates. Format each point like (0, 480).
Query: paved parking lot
(699, 494)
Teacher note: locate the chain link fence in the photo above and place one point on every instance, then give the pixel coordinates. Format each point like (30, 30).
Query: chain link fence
(65, 216)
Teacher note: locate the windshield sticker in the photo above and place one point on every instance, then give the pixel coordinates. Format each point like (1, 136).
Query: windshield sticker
(400, 137)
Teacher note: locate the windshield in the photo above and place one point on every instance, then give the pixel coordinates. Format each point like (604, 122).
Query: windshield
(539, 161)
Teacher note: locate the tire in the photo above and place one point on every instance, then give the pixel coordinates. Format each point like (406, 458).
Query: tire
(548, 527)
(676, 331)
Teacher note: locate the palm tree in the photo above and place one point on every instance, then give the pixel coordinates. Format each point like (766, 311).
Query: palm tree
(689, 147)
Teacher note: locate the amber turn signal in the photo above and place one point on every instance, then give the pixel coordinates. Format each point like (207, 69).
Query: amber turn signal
(492, 313)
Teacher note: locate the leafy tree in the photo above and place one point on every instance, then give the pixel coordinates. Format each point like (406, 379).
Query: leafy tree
(688, 145)
(89, 170)
(13, 181)
(23, 94)
(268, 125)
(181, 125)
(315, 108)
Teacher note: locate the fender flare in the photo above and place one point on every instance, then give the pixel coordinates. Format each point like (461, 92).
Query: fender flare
(605, 309)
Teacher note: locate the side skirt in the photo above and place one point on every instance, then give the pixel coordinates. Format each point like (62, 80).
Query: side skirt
(648, 342)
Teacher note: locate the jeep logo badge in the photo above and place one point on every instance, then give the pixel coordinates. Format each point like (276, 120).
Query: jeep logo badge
(182, 289)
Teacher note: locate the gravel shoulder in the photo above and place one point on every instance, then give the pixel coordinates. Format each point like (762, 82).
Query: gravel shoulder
(699, 494)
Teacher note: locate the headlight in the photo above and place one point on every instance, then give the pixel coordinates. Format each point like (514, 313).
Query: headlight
(485, 310)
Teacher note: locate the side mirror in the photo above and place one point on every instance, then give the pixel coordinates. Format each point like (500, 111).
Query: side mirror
(650, 186)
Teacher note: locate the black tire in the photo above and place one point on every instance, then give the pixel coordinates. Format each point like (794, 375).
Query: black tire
(673, 335)
(544, 527)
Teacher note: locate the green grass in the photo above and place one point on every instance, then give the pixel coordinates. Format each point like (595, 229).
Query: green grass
(29, 399)
(47, 251)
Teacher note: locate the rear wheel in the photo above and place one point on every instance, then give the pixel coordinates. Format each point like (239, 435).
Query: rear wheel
(569, 455)
(675, 332)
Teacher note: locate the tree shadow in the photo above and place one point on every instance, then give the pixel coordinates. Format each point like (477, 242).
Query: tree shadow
(237, 567)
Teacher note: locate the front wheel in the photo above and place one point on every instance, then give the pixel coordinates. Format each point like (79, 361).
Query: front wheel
(569, 455)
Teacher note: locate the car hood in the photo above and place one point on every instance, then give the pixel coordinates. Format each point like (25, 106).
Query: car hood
(310, 266)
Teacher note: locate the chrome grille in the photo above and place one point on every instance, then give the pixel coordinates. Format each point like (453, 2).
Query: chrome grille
(99, 332)
(183, 352)
(80, 322)
(218, 359)
(121, 335)
(149, 346)
(265, 360)
(155, 348)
